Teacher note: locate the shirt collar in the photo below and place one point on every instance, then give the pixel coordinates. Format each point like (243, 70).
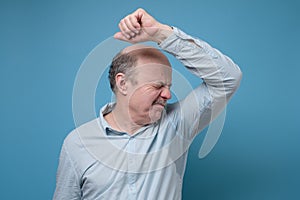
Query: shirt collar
(108, 130)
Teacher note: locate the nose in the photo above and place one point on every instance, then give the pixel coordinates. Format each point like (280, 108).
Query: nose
(166, 93)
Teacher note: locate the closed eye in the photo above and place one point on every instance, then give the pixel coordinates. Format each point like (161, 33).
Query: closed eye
(161, 85)
(158, 86)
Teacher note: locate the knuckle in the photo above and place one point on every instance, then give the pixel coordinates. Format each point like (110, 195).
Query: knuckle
(126, 20)
(140, 10)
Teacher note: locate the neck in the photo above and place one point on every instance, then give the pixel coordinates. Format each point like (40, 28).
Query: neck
(120, 120)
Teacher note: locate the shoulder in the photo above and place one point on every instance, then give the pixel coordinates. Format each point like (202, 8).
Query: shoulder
(76, 149)
(74, 138)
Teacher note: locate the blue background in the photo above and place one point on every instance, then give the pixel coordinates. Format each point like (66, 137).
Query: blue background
(43, 43)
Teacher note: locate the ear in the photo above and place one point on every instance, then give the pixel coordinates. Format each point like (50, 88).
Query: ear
(121, 83)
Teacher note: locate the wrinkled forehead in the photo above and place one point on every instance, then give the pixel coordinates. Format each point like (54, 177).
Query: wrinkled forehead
(152, 73)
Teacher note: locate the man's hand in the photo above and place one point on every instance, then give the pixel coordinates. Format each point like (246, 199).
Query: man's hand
(140, 27)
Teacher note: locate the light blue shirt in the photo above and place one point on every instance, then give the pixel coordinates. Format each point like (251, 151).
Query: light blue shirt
(97, 162)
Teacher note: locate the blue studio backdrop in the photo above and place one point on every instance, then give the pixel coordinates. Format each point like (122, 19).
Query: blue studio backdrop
(43, 43)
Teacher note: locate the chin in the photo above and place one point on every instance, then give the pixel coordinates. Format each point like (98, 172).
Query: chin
(155, 115)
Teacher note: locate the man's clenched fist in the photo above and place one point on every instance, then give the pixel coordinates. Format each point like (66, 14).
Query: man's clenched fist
(140, 27)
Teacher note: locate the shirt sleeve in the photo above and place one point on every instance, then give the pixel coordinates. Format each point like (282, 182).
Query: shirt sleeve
(67, 181)
(221, 78)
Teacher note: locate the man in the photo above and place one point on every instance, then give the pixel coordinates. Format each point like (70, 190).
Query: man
(137, 148)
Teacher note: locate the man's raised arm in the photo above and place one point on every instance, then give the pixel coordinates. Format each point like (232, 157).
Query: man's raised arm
(221, 76)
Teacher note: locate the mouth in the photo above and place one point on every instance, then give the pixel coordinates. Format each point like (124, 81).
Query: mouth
(160, 103)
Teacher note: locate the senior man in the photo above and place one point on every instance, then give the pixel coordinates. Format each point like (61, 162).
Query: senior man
(137, 147)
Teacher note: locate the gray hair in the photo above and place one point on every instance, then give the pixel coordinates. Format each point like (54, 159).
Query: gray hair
(121, 63)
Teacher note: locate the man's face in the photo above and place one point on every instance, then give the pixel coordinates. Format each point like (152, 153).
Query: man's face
(149, 90)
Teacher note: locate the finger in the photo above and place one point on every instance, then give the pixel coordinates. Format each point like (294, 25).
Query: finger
(135, 23)
(120, 36)
(131, 28)
(139, 13)
(124, 29)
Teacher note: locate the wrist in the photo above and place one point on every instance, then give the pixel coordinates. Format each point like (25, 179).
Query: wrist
(163, 33)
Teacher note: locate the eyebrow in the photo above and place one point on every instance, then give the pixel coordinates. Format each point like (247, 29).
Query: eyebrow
(162, 83)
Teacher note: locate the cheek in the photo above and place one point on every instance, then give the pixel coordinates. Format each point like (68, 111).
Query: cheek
(149, 95)
(144, 98)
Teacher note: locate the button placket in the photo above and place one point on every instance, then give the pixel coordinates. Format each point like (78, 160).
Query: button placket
(131, 174)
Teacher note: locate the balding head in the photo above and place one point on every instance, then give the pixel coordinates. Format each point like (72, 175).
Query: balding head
(132, 56)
